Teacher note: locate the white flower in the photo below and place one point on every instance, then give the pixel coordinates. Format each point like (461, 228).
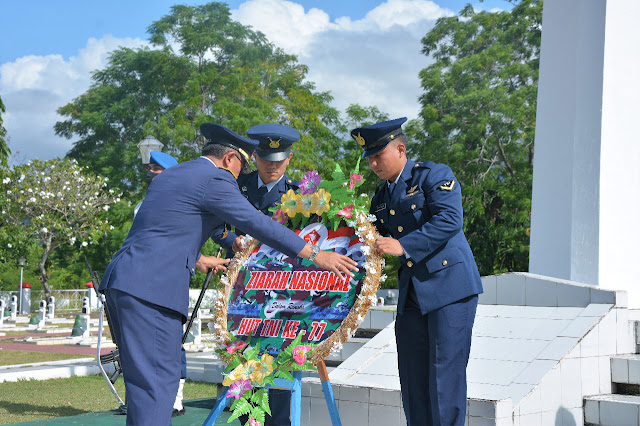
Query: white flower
(105, 208)
(44, 230)
(366, 250)
(6, 180)
(33, 200)
(383, 278)
(9, 245)
(72, 240)
(111, 227)
(84, 244)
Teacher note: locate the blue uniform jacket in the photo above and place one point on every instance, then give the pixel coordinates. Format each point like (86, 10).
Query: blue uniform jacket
(183, 206)
(425, 214)
(249, 188)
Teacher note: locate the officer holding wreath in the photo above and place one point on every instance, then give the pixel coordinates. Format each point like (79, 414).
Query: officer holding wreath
(264, 188)
(418, 207)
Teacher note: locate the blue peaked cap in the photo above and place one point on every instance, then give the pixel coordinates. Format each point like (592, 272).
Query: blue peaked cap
(161, 159)
(274, 140)
(216, 133)
(376, 137)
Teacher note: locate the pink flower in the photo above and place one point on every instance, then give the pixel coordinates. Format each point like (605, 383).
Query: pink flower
(300, 353)
(354, 179)
(238, 387)
(309, 182)
(238, 344)
(346, 212)
(279, 216)
(254, 422)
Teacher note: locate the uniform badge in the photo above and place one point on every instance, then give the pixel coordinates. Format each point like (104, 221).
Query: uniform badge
(412, 190)
(448, 186)
(359, 139)
(244, 189)
(381, 207)
(274, 144)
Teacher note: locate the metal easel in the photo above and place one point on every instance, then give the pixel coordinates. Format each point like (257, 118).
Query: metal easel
(296, 398)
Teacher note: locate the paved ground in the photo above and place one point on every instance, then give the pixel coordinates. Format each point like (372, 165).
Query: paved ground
(7, 343)
(197, 411)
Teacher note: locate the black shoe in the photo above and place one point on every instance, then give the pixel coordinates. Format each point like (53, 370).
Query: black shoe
(122, 409)
(177, 412)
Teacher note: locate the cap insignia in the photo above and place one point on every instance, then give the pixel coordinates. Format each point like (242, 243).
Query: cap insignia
(274, 144)
(359, 139)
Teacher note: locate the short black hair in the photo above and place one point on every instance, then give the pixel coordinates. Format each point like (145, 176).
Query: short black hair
(216, 150)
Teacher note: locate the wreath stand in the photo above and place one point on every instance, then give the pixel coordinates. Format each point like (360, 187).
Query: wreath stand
(296, 398)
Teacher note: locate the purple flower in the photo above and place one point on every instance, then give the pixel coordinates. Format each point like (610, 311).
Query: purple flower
(309, 182)
(238, 387)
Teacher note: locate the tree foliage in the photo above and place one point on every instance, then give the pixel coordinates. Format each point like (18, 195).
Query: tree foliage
(478, 116)
(4, 146)
(224, 72)
(53, 203)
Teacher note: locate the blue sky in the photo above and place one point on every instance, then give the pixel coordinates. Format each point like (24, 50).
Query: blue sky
(49, 48)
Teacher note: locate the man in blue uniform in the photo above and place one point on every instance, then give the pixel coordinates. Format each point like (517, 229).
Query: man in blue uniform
(265, 186)
(158, 162)
(418, 207)
(264, 189)
(146, 282)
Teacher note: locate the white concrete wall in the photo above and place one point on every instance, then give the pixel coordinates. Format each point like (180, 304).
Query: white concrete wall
(586, 174)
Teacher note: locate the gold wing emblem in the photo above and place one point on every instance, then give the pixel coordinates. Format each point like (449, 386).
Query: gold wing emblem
(359, 139)
(274, 144)
(448, 186)
(412, 190)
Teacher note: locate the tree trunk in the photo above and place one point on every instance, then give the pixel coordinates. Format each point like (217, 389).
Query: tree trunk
(44, 277)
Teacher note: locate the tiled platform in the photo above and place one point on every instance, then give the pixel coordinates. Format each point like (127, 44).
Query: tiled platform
(532, 362)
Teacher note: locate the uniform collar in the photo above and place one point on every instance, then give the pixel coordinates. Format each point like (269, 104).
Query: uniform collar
(271, 185)
(405, 174)
(209, 160)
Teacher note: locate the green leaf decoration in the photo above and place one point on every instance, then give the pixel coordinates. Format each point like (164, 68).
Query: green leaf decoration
(242, 407)
(235, 361)
(261, 399)
(258, 414)
(253, 352)
(284, 374)
(268, 381)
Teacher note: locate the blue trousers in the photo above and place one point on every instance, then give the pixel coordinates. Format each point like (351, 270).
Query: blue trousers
(433, 351)
(149, 338)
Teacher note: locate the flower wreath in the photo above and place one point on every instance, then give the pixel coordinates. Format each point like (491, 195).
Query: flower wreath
(248, 371)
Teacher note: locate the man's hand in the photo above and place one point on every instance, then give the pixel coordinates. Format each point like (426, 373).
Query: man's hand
(206, 263)
(237, 244)
(387, 245)
(336, 263)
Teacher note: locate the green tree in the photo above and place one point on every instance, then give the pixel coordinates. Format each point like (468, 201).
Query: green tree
(4, 147)
(478, 116)
(53, 203)
(224, 72)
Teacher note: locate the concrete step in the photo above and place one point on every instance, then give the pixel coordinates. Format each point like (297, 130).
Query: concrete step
(625, 369)
(612, 410)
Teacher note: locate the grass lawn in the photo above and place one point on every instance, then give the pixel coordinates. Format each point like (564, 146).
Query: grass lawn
(29, 400)
(27, 357)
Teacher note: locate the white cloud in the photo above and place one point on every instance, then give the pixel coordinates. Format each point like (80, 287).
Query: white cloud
(371, 61)
(34, 87)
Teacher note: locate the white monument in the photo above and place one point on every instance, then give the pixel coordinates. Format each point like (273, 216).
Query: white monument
(584, 224)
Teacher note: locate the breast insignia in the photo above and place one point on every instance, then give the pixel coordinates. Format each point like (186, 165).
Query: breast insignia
(412, 190)
(448, 186)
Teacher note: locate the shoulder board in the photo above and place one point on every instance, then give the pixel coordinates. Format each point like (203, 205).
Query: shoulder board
(292, 183)
(424, 165)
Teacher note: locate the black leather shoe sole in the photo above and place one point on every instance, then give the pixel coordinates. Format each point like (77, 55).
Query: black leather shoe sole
(177, 413)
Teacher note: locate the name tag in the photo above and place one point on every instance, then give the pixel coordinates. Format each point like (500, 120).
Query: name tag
(381, 207)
